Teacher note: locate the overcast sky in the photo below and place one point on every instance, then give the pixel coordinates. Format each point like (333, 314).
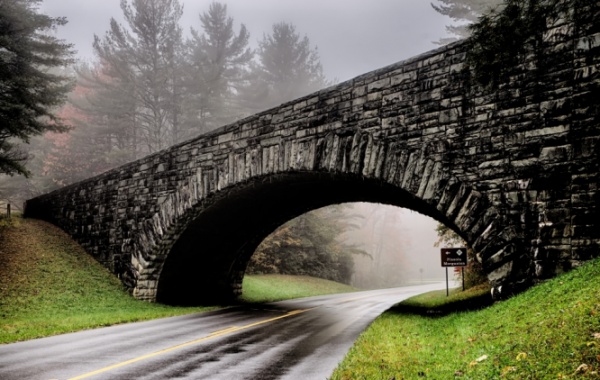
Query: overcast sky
(353, 36)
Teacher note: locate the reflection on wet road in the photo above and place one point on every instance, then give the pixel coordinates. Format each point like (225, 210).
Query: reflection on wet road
(297, 339)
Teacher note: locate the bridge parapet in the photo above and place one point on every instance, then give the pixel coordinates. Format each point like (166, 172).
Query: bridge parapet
(514, 171)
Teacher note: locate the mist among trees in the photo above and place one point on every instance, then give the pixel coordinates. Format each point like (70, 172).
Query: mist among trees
(152, 85)
(311, 245)
(463, 13)
(366, 245)
(31, 85)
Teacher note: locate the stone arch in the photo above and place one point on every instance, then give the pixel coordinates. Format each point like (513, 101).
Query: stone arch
(203, 243)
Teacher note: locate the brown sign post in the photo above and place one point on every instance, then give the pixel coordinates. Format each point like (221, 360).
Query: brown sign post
(454, 257)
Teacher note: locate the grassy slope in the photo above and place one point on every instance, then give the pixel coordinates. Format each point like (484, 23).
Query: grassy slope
(49, 285)
(550, 332)
(268, 288)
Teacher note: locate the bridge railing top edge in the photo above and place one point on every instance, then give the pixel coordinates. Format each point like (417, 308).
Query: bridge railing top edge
(335, 87)
(405, 62)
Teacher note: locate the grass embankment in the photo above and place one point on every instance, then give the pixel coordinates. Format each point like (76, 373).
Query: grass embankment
(49, 285)
(549, 332)
(275, 287)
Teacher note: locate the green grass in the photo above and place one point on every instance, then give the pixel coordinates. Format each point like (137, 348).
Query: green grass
(549, 332)
(438, 303)
(49, 285)
(274, 287)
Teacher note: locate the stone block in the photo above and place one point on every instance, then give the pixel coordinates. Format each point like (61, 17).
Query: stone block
(378, 85)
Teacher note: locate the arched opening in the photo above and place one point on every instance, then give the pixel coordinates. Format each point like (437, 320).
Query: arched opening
(207, 262)
(364, 245)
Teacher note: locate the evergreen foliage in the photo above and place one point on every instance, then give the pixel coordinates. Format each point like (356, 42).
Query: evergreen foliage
(288, 67)
(30, 87)
(217, 67)
(465, 12)
(309, 245)
(104, 115)
(145, 55)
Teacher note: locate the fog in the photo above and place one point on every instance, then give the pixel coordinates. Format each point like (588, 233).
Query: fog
(353, 37)
(400, 243)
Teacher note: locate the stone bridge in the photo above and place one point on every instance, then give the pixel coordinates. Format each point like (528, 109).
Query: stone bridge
(515, 171)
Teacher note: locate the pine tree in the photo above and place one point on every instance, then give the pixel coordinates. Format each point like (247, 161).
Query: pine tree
(146, 55)
(464, 11)
(288, 67)
(218, 60)
(30, 88)
(107, 102)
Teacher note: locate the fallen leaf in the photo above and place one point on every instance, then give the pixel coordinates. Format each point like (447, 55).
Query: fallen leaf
(521, 356)
(481, 358)
(596, 335)
(582, 368)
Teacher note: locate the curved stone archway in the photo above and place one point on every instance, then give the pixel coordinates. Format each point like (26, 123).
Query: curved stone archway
(214, 239)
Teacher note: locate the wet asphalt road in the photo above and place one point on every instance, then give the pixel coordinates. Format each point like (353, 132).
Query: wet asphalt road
(297, 339)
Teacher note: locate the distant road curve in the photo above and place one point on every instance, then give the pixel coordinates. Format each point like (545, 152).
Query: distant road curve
(297, 339)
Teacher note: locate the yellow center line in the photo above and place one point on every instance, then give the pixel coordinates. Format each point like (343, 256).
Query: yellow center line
(212, 335)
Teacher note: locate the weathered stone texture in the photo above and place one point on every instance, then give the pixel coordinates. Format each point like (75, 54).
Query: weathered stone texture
(515, 171)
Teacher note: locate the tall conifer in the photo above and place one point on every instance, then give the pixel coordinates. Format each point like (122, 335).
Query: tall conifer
(217, 65)
(31, 85)
(464, 12)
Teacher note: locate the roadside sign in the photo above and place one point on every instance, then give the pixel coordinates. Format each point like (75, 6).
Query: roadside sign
(454, 257)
